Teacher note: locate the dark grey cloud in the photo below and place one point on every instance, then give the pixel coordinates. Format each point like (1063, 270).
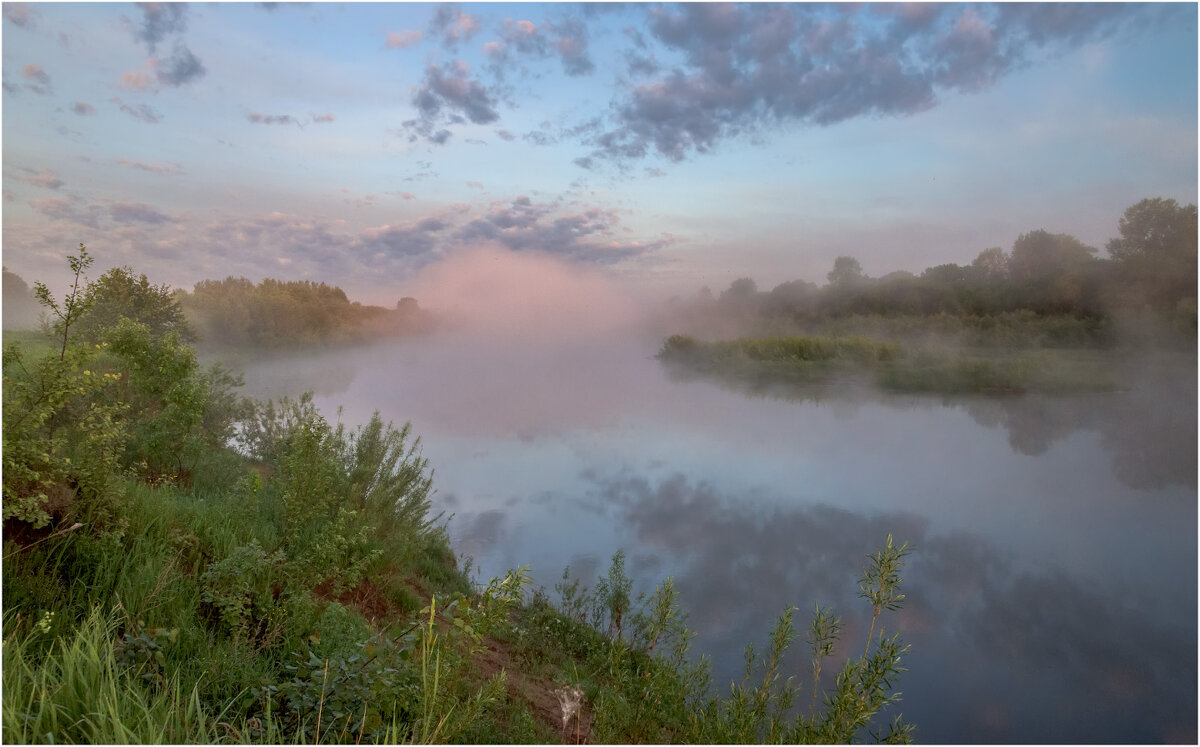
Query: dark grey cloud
(20, 14)
(180, 68)
(747, 68)
(83, 108)
(588, 235)
(414, 240)
(136, 212)
(141, 112)
(160, 20)
(449, 96)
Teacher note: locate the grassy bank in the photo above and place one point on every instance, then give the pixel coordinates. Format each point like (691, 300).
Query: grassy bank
(889, 366)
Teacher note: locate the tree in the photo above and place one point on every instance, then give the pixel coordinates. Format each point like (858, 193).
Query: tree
(119, 294)
(1041, 255)
(1054, 273)
(846, 271)
(20, 305)
(61, 441)
(991, 264)
(742, 289)
(1155, 255)
(1158, 229)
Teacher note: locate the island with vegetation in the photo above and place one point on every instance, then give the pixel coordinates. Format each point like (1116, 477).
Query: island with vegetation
(1047, 316)
(184, 565)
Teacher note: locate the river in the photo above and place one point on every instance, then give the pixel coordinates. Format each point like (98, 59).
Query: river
(1051, 591)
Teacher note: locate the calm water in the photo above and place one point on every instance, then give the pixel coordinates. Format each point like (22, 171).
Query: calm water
(1052, 587)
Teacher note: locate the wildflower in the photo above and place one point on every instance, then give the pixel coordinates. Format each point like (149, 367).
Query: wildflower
(43, 625)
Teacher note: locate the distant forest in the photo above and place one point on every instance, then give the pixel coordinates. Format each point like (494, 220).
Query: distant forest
(231, 312)
(1148, 280)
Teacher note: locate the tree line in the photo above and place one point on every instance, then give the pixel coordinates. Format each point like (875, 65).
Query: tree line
(232, 312)
(1150, 273)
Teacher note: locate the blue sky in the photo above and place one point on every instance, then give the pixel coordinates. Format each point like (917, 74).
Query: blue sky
(667, 146)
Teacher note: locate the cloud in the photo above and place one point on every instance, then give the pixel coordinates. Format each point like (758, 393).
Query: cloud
(135, 81)
(39, 79)
(45, 178)
(180, 68)
(71, 210)
(505, 135)
(271, 119)
(402, 40)
(408, 196)
(538, 137)
(571, 44)
(325, 118)
(83, 108)
(588, 235)
(136, 212)
(20, 14)
(141, 111)
(160, 20)
(154, 168)
(525, 39)
(474, 185)
(451, 26)
(449, 96)
(746, 68)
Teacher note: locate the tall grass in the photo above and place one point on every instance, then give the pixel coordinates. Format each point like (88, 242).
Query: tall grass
(78, 693)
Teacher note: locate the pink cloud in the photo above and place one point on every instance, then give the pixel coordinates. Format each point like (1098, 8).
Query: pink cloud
(136, 81)
(402, 40)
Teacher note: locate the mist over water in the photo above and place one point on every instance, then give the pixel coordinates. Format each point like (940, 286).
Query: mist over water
(1052, 590)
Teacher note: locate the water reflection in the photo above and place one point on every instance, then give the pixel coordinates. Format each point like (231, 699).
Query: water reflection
(1023, 655)
(1148, 431)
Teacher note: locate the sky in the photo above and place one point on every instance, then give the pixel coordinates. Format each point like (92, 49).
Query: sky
(665, 147)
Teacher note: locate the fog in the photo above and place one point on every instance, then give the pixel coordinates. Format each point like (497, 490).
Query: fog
(1052, 591)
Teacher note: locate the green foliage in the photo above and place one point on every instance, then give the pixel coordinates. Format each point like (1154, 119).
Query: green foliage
(167, 398)
(239, 586)
(1156, 254)
(612, 595)
(1048, 280)
(278, 313)
(118, 294)
(81, 694)
(345, 697)
(61, 439)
